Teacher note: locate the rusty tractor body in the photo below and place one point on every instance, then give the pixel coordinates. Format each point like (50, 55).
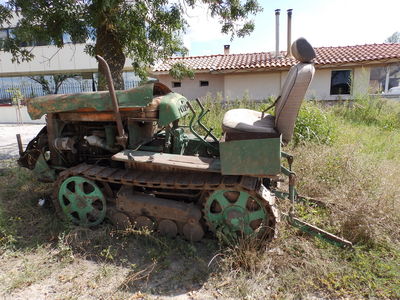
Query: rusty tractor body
(125, 156)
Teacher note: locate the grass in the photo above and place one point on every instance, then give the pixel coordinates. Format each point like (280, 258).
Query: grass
(349, 157)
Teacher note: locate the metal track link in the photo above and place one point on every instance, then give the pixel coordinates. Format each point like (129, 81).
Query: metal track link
(184, 180)
(157, 179)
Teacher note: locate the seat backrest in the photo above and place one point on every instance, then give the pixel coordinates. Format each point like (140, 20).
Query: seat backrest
(294, 89)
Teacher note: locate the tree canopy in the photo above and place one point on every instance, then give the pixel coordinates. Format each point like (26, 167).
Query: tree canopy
(143, 30)
(394, 38)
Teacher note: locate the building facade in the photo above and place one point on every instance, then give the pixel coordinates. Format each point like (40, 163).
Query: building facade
(341, 73)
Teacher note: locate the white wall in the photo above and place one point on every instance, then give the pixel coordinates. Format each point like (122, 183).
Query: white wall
(321, 84)
(361, 80)
(191, 89)
(8, 114)
(49, 59)
(261, 85)
(257, 85)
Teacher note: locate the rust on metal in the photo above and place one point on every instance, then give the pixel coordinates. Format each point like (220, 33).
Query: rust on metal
(20, 147)
(145, 210)
(122, 137)
(136, 204)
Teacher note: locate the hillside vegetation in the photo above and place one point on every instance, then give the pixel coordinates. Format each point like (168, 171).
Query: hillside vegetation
(347, 156)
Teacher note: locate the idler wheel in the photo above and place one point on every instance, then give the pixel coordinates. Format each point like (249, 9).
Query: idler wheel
(143, 222)
(193, 232)
(168, 228)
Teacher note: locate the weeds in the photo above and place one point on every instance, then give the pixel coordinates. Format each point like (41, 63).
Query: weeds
(369, 110)
(346, 156)
(314, 125)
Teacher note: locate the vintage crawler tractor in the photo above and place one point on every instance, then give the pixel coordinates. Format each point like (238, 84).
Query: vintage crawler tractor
(123, 155)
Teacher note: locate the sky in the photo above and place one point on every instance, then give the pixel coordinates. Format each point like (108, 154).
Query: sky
(321, 22)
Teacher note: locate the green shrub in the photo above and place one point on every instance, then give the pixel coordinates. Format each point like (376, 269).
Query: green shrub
(314, 125)
(384, 113)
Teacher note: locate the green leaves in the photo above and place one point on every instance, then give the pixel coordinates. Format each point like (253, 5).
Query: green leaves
(143, 30)
(180, 71)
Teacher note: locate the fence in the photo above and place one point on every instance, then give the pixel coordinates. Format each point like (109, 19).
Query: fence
(35, 90)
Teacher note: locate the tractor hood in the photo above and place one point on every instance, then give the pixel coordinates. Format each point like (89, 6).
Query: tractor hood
(95, 101)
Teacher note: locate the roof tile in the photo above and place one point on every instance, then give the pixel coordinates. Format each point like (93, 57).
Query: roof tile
(325, 56)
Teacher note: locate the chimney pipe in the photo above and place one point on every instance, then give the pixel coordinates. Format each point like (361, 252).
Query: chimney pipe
(289, 33)
(226, 49)
(277, 12)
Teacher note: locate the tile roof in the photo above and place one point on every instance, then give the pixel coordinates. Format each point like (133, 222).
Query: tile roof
(266, 60)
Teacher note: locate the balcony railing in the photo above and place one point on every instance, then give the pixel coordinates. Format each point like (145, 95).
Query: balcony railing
(35, 90)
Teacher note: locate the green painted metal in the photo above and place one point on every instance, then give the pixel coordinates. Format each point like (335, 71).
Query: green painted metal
(257, 157)
(233, 218)
(100, 101)
(197, 146)
(203, 113)
(318, 232)
(299, 199)
(43, 170)
(82, 201)
(172, 107)
(212, 148)
(179, 141)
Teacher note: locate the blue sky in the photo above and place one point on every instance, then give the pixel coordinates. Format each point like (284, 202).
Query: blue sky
(322, 22)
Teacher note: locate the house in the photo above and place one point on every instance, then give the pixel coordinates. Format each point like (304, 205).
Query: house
(341, 73)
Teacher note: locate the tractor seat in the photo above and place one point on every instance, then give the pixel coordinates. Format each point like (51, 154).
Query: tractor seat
(244, 123)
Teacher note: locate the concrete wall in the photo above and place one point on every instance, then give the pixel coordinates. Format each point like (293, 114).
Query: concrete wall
(8, 114)
(261, 85)
(361, 81)
(191, 88)
(321, 84)
(256, 86)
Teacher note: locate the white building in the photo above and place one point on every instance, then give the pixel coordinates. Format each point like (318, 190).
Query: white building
(341, 73)
(48, 60)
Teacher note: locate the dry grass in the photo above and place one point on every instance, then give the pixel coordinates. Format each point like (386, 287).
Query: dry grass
(356, 175)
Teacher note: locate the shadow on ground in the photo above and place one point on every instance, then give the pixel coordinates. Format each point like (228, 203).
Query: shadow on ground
(150, 263)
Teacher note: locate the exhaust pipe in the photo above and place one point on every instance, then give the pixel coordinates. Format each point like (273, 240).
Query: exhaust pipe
(277, 13)
(289, 33)
(122, 137)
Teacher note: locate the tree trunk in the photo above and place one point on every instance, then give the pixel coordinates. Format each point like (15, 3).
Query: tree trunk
(108, 46)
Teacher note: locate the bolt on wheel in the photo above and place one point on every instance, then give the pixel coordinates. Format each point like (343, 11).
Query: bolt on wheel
(235, 214)
(82, 201)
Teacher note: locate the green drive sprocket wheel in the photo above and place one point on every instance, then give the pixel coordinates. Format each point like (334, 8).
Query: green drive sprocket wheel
(82, 201)
(235, 213)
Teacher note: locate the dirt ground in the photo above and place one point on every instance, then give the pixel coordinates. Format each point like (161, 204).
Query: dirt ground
(8, 140)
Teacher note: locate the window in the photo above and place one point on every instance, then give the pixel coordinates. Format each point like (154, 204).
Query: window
(203, 82)
(341, 82)
(3, 36)
(382, 79)
(176, 84)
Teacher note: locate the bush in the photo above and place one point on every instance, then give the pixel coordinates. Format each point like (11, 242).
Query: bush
(384, 113)
(314, 125)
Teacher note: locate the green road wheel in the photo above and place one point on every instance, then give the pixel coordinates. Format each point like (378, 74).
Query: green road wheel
(82, 201)
(235, 213)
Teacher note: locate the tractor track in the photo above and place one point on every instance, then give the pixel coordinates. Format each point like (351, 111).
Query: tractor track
(185, 180)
